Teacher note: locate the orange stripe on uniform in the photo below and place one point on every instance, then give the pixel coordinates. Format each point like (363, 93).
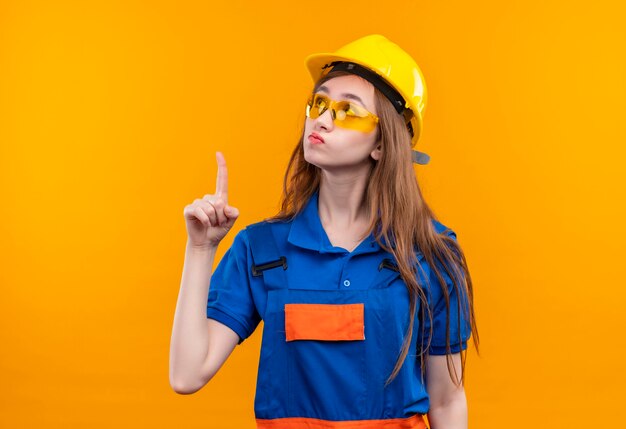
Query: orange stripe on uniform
(414, 422)
(324, 322)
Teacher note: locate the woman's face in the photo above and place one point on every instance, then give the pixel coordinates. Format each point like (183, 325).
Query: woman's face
(342, 148)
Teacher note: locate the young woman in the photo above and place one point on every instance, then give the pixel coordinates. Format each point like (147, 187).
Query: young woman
(366, 298)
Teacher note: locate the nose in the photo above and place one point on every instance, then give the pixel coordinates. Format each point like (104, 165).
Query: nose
(325, 120)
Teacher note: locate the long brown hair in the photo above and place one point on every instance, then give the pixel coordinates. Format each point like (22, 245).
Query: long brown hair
(400, 216)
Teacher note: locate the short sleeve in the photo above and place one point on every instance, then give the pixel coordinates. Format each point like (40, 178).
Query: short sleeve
(230, 299)
(437, 304)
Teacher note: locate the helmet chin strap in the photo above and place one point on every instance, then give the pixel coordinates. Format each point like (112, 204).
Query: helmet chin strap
(420, 157)
(392, 95)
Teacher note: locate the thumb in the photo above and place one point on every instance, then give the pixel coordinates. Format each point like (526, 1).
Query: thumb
(231, 212)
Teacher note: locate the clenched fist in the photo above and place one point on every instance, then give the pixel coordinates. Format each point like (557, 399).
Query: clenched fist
(209, 219)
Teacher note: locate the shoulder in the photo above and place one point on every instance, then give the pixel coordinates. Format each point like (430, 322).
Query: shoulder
(271, 223)
(264, 225)
(276, 227)
(448, 234)
(260, 239)
(440, 228)
(258, 235)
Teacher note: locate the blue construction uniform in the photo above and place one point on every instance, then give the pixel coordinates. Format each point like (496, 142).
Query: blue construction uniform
(328, 381)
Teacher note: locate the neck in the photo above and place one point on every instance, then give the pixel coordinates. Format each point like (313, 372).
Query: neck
(341, 200)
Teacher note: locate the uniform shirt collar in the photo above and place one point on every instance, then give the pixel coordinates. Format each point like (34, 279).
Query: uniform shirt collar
(307, 232)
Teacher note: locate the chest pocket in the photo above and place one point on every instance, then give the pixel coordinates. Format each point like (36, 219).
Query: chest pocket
(327, 322)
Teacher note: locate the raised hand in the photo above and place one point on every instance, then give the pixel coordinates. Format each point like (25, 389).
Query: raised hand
(210, 218)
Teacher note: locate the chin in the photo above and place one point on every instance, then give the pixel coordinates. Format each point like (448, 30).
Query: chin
(312, 159)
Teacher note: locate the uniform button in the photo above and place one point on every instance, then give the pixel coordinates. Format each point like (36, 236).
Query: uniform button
(346, 283)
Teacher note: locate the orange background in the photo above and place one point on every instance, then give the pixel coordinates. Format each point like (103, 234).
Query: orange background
(110, 116)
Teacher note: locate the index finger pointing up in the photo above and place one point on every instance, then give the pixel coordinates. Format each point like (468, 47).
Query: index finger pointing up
(222, 177)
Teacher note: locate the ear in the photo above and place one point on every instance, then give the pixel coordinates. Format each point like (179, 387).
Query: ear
(376, 152)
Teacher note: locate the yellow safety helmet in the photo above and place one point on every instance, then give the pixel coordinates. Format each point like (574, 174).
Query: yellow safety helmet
(395, 74)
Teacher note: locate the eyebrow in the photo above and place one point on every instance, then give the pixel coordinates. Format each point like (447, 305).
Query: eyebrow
(346, 95)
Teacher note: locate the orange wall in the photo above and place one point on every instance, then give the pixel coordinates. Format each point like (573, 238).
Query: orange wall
(110, 116)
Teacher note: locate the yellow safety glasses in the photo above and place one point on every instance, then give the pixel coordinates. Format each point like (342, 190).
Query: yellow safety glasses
(345, 114)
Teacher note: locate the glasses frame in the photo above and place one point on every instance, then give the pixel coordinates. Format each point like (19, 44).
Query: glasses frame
(365, 118)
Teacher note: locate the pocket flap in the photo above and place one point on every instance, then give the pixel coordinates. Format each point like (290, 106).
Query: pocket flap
(331, 322)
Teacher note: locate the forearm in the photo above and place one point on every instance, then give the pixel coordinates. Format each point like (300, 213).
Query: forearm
(190, 337)
(451, 415)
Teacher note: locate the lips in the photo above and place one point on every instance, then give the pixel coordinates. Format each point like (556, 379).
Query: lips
(315, 138)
